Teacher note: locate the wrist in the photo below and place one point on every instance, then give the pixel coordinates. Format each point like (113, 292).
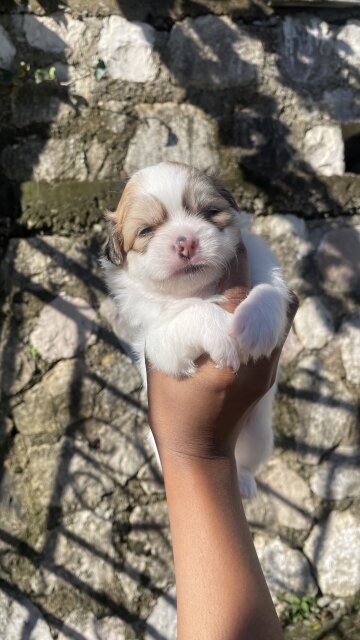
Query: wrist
(176, 462)
(181, 453)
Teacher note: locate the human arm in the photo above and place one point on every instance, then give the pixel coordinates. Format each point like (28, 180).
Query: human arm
(221, 590)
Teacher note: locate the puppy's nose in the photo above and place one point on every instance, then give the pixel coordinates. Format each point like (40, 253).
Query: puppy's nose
(186, 247)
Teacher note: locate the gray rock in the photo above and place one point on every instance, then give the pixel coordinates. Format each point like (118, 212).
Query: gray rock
(109, 312)
(149, 537)
(283, 498)
(47, 161)
(112, 112)
(65, 328)
(286, 570)
(341, 104)
(161, 622)
(288, 237)
(54, 263)
(121, 373)
(339, 476)
(213, 52)
(65, 395)
(326, 411)
(58, 34)
(151, 479)
(134, 573)
(333, 548)
(127, 48)
(350, 349)
(90, 627)
(338, 259)
(313, 324)
(36, 105)
(348, 42)
(81, 547)
(291, 348)
(307, 52)
(323, 149)
(19, 618)
(276, 226)
(20, 366)
(168, 131)
(7, 50)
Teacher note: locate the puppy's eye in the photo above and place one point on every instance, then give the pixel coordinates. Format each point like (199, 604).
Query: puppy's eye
(210, 213)
(145, 231)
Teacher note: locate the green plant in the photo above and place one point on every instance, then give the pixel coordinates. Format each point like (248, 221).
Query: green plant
(41, 75)
(24, 71)
(34, 352)
(297, 609)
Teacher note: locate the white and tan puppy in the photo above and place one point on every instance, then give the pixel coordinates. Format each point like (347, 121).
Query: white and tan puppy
(171, 239)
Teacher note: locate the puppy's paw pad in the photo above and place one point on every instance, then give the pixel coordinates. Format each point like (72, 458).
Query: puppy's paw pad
(247, 484)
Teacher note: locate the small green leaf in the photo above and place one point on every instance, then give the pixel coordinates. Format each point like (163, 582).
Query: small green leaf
(34, 351)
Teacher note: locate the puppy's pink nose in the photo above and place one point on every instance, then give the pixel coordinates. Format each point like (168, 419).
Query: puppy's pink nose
(186, 247)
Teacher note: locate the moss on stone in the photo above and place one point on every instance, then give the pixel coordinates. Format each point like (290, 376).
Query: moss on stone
(67, 206)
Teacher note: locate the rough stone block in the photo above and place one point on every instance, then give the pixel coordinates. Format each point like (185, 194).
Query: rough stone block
(350, 349)
(180, 133)
(162, 619)
(326, 411)
(128, 50)
(323, 149)
(307, 53)
(17, 615)
(45, 161)
(64, 396)
(64, 328)
(338, 260)
(333, 548)
(7, 50)
(58, 34)
(283, 498)
(213, 52)
(313, 324)
(89, 627)
(339, 476)
(285, 569)
(348, 45)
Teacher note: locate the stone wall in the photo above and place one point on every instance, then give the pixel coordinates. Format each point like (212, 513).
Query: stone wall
(270, 100)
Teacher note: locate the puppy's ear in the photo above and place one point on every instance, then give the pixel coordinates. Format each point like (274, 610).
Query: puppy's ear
(224, 193)
(114, 249)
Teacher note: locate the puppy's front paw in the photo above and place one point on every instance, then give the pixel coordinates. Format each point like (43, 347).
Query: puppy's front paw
(168, 358)
(223, 350)
(257, 328)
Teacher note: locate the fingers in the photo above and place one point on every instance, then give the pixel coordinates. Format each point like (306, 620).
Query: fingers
(236, 284)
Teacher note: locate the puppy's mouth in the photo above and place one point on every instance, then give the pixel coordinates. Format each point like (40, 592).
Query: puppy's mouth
(191, 269)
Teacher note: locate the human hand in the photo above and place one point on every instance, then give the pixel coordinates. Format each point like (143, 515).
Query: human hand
(199, 416)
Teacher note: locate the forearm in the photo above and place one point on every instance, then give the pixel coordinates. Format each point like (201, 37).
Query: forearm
(221, 590)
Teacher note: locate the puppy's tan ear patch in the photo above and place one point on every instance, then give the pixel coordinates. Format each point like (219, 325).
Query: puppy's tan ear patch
(114, 249)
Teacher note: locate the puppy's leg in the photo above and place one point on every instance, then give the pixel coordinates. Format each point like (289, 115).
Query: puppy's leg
(254, 444)
(173, 346)
(260, 320)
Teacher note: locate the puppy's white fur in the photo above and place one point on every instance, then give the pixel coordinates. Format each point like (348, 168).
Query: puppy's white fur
(169, 301)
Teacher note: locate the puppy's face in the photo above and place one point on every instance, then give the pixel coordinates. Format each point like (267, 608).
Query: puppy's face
(175, 229)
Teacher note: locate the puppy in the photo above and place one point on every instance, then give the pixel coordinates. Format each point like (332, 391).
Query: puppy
(171, 240)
